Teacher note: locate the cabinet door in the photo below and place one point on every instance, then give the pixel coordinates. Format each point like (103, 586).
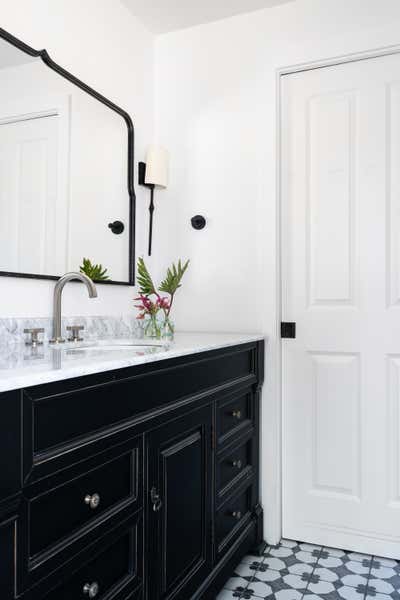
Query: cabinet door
(180, 503)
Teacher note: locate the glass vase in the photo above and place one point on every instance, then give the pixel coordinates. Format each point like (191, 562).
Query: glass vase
(153, 328)
(168, 329)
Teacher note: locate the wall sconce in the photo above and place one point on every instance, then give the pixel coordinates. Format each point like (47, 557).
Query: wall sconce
(152, 173)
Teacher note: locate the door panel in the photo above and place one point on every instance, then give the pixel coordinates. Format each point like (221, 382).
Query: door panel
(341, 273)
(180, 504)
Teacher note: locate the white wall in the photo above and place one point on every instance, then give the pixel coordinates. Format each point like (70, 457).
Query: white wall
(216, 112)
(103, 44)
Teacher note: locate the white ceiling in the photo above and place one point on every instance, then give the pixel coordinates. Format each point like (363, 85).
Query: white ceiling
(161, 16)
(10, 56)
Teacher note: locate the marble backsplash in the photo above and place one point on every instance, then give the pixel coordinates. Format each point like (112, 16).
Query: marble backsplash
(12, 330)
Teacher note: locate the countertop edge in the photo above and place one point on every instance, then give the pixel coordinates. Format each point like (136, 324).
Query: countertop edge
(52, 376)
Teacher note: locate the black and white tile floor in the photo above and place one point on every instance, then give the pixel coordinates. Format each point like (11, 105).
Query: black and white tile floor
(296, 571)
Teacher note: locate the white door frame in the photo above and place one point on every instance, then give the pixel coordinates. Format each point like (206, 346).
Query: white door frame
(276, 402)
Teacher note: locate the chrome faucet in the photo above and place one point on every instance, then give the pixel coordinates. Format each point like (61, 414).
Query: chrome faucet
(57, 337)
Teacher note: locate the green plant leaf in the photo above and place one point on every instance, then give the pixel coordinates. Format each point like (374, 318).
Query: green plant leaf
(95, 272)
(173, 278)
(144, 280)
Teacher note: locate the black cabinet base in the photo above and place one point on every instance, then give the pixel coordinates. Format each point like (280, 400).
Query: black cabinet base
(216, 580)
(137, 484)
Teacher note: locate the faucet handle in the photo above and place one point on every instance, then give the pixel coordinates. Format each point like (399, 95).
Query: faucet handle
(75, 329)
(34, 340)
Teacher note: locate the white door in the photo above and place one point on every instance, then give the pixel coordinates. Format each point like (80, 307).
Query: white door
(341, 285)
(28, 195)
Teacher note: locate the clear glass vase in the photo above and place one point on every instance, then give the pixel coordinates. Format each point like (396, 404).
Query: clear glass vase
(168, 329)
(153, 328)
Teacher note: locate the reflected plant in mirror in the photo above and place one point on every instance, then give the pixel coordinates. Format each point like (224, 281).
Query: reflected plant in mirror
(66, 171)
(95, 272)
(155, 309)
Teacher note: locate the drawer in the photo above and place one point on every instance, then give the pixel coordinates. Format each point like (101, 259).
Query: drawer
(233, 466)
(231, 517)
(78, 504)
(234, 415)
(114, 571)
(81, 409)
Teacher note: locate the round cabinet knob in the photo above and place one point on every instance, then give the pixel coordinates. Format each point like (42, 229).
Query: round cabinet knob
(91, 589)
(237, 414)
(237, 464)
(93, 501)
(237, 515)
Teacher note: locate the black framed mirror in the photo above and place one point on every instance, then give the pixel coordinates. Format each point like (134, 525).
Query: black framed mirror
(66, 172)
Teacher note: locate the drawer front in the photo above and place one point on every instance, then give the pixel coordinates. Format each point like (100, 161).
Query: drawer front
(81, 413)
(234, 415)
(233, 466)
(64, 510)
(231, 517)
(114, 571)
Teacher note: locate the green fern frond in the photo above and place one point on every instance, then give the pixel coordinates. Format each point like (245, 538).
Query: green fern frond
(144, 280)
(173, 278)
(95, 272)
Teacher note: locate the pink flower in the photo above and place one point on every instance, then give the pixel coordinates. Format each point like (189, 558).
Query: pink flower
(163, 303)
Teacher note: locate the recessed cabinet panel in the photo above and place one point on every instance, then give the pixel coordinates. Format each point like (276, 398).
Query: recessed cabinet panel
(234, 415)
(115, 565)
(78, 503)
(231, 518)
(82, 413)
(180, 504)
(233, 466)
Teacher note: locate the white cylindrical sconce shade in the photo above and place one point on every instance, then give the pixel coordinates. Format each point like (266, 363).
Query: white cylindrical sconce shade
(157, 166)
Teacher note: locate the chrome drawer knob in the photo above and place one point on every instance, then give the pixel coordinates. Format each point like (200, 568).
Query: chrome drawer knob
(237, 414)
(91, 589)
(237, 464)
(237, 515)
(93, 501)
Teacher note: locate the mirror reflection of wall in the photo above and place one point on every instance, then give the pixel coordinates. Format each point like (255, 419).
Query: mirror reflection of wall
(63, 173)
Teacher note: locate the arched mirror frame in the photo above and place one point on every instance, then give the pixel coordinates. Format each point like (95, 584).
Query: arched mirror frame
(45, 57)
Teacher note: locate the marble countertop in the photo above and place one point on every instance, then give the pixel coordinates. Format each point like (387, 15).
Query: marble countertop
(24, 366)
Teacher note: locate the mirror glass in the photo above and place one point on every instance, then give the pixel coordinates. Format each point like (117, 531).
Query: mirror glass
(63, 174)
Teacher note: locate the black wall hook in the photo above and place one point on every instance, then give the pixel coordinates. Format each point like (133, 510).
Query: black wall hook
(198, 222)
(117, 227)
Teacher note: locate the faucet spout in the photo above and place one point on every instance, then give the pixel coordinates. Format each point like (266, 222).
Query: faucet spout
(92, 291)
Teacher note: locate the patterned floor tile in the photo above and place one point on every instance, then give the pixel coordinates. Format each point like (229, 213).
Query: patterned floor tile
(359, 557)
(344, 566)
(295, 570)
(259, 589)
(377, 597)
(253, 560)
(284, 562)
(289, 586)
(236, 584)
(334, 551)
(379, 586)
(326, 591)
(289, 543)
(228, 595)
(246, 570)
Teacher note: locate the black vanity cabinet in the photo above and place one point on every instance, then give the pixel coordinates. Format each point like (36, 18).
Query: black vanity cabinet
(135, 484)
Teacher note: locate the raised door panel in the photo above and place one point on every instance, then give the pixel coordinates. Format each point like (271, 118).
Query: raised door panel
(180, 504)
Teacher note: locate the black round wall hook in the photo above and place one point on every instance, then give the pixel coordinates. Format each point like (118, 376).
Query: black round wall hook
(117, 227)
(198, 222)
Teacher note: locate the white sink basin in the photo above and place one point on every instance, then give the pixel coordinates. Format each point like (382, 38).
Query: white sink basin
(117, 346)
